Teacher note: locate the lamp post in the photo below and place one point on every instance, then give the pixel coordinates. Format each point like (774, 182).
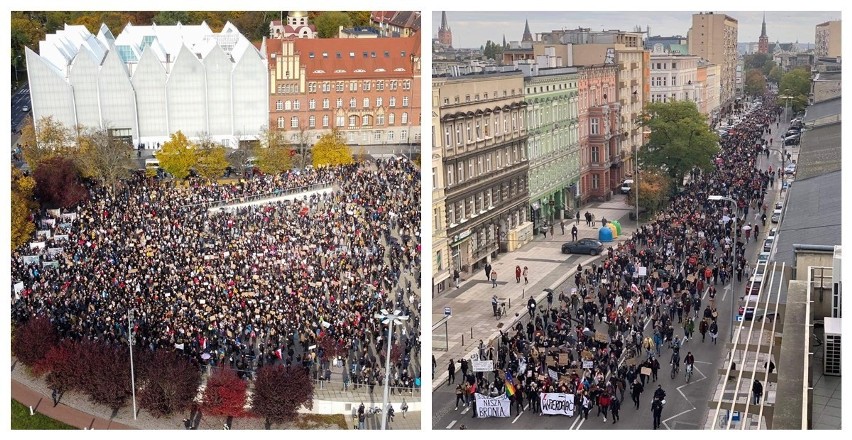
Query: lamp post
(786, 99)
(717, 198)
(130, 344)
(390, 319)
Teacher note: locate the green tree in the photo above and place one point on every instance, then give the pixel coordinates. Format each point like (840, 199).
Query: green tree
(169, 18)
(767, 67)
(359, 18)
(680, 139)
(274, 155)
(775, 75)
(756, 60)
(22, 207)
(654, 191)
(104, 157)
(328, 23)
(797, 84)
(755, 83)
(492, 50)
(331, 150)
(177, 156)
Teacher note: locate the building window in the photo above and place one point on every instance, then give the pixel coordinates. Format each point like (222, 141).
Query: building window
(390, 135)
(379, 102)
(325, 121)
(406, 84)
(596, 181)
(392, 84)
(353, 86)
(451, 214)
(338, 87)
(392, 101)
(468, 132)
(325, 103)
(460, 171)
(340, 121)
(297, 105)
(366, 120)
(366, 102)
(339, 102)
(282, 123)
(403, 135)
(377, 136)
(435, 183)
(294, 122)
(312, 104)
(448, 139)
(595, 155)
(458, 133)
(312, 121)
(353, 120)
(365, 86)
(405, 101)
(450, 180)
(404, 118)
(287, 105)
(470, 174)
(312, 87)
(353, 103)
(380, 85)
(391, 118)
(488, 163)
(595, 127)
(279, 105)
(380, 119)
(326, 86)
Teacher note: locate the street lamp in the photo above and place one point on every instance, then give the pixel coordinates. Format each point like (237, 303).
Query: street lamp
(733, 203)
(390, 319)
(130, 344)
(786, 107)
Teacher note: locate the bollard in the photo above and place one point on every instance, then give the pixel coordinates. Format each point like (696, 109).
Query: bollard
(523, 292)
(32, 413)
(471, 333)
(462, 339)
(510, 303)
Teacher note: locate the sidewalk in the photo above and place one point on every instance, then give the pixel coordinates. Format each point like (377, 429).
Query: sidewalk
(472, 318)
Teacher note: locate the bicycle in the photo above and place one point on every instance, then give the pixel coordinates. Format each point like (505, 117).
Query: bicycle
(688, 372)
(675, 368)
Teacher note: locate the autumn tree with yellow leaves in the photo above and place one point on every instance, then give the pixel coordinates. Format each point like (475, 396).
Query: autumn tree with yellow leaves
(177, 156)
(330, 150)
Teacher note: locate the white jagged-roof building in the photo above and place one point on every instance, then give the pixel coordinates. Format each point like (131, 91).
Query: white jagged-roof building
(152, 81)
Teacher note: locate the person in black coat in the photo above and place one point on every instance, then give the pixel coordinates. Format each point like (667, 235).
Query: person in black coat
(451, 368)
(635, 391)
(614, 406)
(657, 411)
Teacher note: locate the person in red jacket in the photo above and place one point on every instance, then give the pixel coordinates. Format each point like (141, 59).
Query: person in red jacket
(603, 404)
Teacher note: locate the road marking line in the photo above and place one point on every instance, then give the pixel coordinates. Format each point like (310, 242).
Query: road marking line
(466, 409)
(527, 406)
(450, 426)
(674, 416)
(578, 425)
(519, 416)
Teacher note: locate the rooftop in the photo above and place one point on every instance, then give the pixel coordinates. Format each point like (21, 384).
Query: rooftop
(822, 109)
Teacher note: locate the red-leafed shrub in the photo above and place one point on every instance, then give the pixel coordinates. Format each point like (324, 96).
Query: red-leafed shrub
(32, 341)
(279, 392)
(58, 183)
(225, 394)
(167, 382)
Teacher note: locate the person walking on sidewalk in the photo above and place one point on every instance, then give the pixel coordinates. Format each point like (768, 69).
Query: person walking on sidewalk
(578, 217)
(494, 304)
(574, 233)
(588, 219)
(657, 411)
(451, 369)
(493, 278)
(517, 274)
(487, 271)
(459, 396)
(614, 406)
(456, 277)
(526, 271)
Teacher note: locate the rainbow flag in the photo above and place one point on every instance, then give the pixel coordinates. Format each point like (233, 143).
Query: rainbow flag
(510, 386)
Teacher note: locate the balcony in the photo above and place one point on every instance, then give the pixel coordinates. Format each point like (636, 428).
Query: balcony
(634, 82)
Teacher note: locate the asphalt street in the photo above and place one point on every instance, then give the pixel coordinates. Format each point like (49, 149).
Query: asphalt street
(20, 99)
(686, 403)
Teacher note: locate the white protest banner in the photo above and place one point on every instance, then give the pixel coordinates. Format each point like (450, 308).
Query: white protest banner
(54, 251)
(31, 259)
(492, 406)
(522, 366)
(643, 271)
(53, 212)
(37, 245)
(588, 364)
(19, 287)
(557, 403)
(60, 237)
(45, 233)
(482, 366)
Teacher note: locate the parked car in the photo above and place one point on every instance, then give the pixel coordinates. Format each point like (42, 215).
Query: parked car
(583, 246)
(790, 169)
(791, 140)
(767, 244)
(776, 216)
(772, 233)
(793, 131)
(626, 186)
(763, 257)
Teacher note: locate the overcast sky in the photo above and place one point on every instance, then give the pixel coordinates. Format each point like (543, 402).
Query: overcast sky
(472, 29)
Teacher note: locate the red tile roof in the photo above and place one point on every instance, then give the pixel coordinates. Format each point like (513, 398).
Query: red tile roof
(335, 58)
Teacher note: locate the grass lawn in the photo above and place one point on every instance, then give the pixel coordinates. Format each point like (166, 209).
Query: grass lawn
(21, 419)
